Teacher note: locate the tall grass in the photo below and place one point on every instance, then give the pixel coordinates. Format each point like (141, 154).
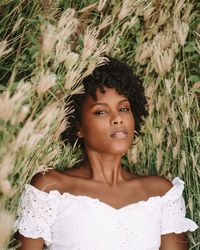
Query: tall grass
(47, 47)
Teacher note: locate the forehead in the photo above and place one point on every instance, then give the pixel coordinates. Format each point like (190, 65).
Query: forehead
(111, 95)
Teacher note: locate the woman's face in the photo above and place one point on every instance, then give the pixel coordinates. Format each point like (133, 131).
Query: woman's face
(107, 124)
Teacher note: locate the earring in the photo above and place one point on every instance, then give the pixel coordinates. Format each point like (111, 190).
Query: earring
(79, 134)
(137, 137)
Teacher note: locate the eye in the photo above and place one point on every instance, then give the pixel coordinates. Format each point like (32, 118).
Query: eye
(100, 112)
(124, 109)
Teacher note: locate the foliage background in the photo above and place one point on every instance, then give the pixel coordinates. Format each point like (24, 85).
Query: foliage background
(47, 47)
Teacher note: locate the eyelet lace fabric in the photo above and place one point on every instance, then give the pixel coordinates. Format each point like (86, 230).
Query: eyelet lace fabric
(66, 221)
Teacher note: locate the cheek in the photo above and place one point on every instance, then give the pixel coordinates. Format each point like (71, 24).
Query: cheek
(130, 122)
(94, 129)
(96, 136)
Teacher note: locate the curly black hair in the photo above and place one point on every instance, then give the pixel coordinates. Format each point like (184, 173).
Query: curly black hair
(114, 74)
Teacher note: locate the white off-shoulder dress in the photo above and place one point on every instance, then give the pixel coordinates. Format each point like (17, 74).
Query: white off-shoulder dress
(76, 222)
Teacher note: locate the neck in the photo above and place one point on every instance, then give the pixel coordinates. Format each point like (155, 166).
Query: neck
(104, 168)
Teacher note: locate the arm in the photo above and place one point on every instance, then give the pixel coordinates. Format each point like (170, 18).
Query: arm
(174, 241)
(29, 243)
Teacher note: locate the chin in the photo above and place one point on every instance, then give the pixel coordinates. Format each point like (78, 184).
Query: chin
(119, 150)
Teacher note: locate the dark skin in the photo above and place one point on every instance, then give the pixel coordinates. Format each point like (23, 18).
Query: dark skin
(107, 127)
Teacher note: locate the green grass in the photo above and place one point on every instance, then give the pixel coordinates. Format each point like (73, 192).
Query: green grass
(172, 92)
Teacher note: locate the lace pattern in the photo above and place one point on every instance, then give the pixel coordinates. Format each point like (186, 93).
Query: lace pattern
(52, 216)
(37, 213)
(173, 211)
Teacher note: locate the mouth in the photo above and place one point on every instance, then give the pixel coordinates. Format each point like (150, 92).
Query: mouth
(119, 133)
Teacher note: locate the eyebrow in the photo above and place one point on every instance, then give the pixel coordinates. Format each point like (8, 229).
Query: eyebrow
(105, 104)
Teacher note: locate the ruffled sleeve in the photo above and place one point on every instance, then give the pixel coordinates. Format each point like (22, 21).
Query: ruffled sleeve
(173, 212)
(36, 213)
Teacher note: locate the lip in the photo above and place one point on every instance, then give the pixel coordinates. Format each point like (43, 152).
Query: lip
(119, 133)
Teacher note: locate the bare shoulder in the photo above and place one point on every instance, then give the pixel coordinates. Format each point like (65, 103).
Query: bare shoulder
(157, 185)
(47, 181)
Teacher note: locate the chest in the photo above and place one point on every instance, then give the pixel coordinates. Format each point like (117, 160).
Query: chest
(124, 195)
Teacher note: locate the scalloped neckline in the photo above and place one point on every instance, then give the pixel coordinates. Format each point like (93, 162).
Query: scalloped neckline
(96, 200)
(175, 181)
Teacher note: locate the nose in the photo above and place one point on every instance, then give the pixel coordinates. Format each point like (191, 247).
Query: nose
(116, 120)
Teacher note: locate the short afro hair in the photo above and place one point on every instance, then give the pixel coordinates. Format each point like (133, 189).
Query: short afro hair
(114, 74)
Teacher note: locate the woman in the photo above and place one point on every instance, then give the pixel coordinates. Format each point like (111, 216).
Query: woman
(100, 205)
